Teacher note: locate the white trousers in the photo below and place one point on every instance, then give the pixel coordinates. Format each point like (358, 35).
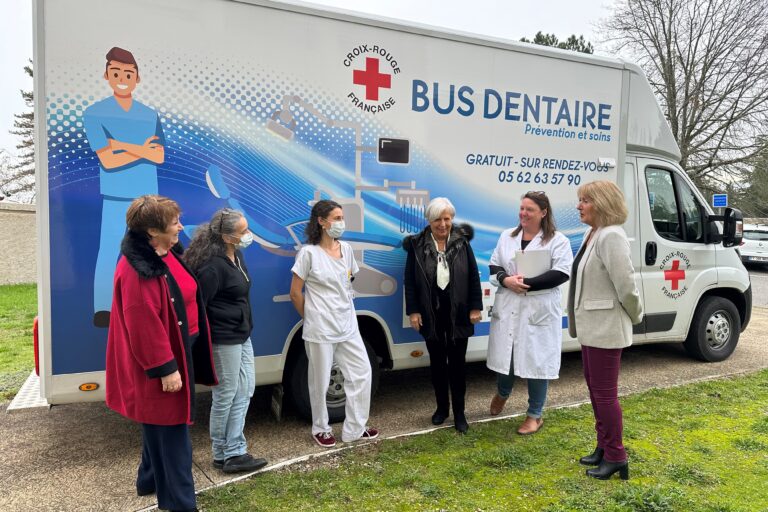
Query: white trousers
(353, 362)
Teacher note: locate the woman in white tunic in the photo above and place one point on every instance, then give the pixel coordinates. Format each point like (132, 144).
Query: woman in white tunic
(324, 269)
(526, 323)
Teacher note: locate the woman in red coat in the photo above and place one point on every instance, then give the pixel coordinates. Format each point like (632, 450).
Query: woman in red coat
(158, 347)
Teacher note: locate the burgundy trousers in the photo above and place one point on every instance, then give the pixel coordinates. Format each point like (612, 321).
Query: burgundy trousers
(601, 371)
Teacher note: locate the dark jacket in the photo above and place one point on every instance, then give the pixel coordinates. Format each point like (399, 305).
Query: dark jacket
(420, 280)
(226, 297)
(148, 339)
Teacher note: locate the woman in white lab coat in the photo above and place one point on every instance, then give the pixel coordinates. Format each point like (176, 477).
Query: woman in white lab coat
(526, 322)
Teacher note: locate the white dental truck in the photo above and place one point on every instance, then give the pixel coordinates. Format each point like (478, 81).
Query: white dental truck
(267, 107)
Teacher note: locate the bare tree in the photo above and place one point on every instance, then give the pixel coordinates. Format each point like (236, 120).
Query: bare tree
(18, 177)
(707, 61)
(751, 197)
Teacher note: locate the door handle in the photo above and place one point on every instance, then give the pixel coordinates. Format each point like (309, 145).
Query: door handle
(650, 253)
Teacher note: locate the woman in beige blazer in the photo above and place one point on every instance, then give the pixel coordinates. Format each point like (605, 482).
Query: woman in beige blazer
(603, 303)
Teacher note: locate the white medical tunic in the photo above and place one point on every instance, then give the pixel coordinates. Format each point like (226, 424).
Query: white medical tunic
(329, 313)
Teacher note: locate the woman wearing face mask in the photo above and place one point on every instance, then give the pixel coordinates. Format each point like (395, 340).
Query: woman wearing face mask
(324, 269)
(214, 255)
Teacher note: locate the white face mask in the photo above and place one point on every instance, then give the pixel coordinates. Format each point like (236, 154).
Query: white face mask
(336, 229)
(245, 241)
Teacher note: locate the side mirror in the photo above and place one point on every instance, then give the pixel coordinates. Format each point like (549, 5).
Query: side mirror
(733, 227)
(712, 231)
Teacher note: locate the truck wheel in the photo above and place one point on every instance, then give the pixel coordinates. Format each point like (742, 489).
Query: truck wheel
(335, 398)
(714, 331)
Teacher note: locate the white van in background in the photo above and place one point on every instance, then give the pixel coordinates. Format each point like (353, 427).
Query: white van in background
(267, 107)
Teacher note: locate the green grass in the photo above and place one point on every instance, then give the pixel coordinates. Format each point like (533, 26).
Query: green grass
(700, 447)
(18, 307)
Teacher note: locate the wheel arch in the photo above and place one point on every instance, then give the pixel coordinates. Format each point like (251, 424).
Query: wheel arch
(375, 331)
(738, 298)
(712, 337)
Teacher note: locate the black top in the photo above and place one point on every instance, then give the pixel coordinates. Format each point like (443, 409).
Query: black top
(225, 287)
(576, 262)
(545, 281)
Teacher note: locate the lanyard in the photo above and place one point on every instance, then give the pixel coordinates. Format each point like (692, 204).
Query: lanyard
(237, 264)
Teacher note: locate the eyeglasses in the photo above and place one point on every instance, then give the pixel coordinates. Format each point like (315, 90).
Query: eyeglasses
(536, 192)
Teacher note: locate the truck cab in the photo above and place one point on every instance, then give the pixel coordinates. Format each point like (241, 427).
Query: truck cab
(694, 287)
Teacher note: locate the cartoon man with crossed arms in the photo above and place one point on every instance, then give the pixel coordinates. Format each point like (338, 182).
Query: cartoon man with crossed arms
(128, 139)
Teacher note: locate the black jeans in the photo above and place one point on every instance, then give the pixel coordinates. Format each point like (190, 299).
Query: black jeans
(447, 358)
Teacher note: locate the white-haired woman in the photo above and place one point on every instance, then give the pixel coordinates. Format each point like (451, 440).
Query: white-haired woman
(443, 302)
(214, 255)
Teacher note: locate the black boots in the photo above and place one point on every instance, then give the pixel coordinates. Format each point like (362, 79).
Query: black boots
(439, 417)
(460, 422)
(606, 469)
(594, 459)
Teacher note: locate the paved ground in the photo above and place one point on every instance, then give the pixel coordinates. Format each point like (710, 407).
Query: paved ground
(84, 457)
(758, 274)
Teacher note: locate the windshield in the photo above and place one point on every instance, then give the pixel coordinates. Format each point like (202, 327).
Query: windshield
(756, 235)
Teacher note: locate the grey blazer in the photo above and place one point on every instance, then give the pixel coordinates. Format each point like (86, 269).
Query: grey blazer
(603, 301)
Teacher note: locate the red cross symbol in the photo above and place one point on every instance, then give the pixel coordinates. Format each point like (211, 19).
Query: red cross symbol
(371, 79)
(674, 274)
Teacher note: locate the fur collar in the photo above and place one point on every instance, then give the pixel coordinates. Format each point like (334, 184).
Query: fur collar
(142, 257)
(458, 232)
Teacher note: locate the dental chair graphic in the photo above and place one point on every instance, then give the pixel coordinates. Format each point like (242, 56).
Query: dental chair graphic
(284, 238)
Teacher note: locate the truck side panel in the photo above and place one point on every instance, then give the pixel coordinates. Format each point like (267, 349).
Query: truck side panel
(265, 110)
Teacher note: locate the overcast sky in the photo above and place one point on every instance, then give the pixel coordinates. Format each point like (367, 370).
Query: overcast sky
(510, 19)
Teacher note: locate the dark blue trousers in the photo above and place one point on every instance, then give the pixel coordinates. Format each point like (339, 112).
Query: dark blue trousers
(166, 466)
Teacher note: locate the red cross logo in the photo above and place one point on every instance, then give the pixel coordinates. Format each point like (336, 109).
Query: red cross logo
(371, 79)
(675, 275)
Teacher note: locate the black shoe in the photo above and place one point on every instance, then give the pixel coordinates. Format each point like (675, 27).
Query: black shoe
(218, 463)
(101, 319)
(606, 469)
(243, 463)
(460, 423)
(594, 459)
(144, 492)
(439, 417)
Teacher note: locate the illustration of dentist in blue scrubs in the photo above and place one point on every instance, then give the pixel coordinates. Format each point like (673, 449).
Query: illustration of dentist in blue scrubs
(128, 139)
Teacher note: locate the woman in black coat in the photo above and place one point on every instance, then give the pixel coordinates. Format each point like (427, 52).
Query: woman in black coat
(443, 302)
(216, 258)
